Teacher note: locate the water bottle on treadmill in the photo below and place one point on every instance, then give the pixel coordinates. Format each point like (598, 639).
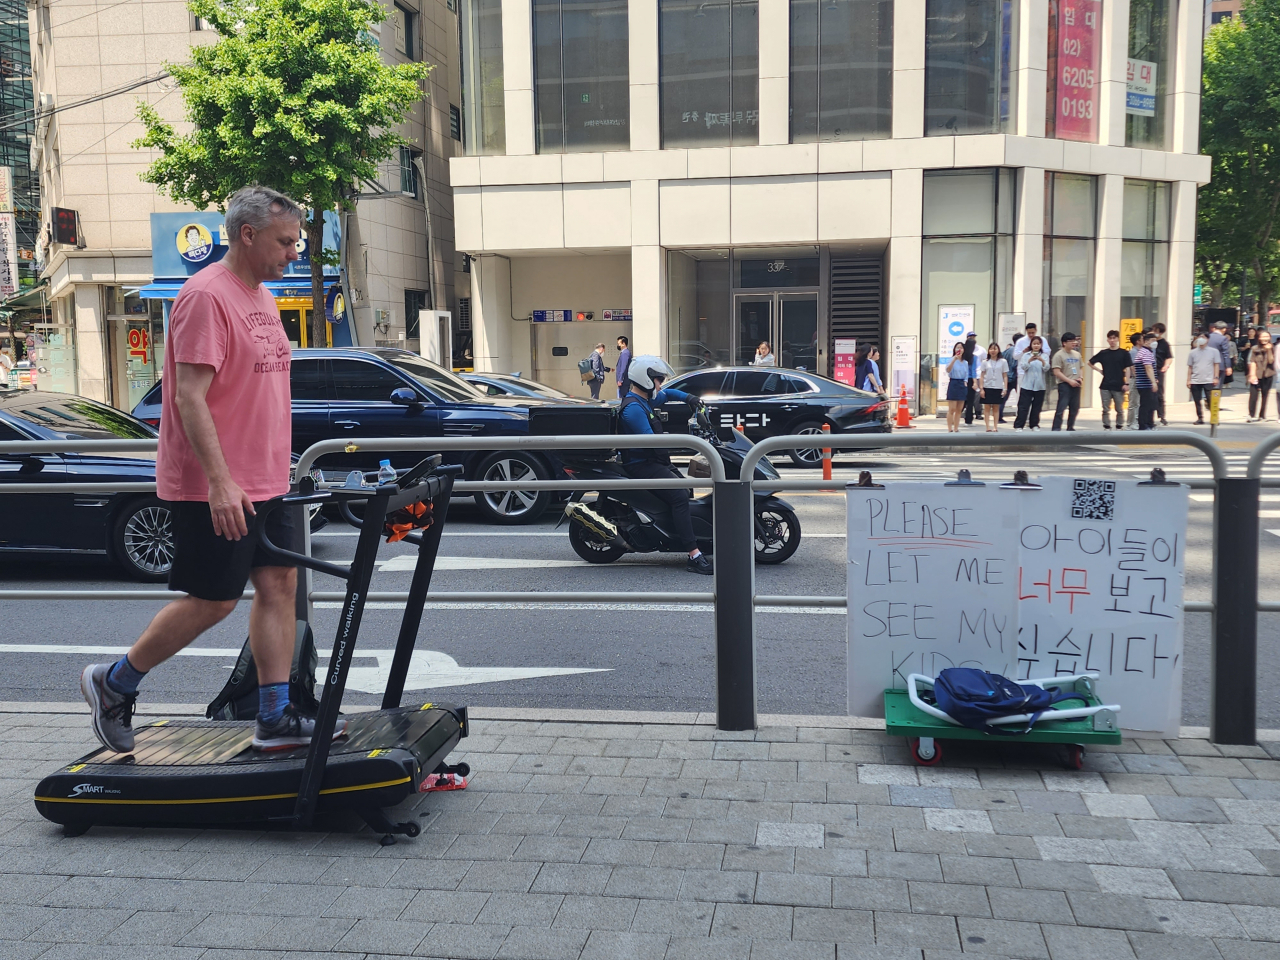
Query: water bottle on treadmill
(386, 472)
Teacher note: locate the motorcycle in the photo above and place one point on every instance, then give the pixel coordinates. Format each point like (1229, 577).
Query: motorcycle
(635, 521)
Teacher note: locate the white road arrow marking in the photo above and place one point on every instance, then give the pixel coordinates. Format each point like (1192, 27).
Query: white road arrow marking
(407, 561)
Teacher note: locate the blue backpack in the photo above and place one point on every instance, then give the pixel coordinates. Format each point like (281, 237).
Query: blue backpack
(973, 697)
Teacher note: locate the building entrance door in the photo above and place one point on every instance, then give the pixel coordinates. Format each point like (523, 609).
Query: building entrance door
(788, 322)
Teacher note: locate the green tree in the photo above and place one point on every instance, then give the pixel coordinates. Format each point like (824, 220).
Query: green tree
(1239, 222)
(293, 95)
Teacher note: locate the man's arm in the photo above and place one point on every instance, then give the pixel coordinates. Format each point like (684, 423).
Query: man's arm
(228, 504)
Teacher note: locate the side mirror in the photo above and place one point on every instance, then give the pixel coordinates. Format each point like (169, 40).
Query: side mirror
(405, 397)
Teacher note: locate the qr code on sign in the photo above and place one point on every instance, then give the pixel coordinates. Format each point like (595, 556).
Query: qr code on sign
(1093, 500)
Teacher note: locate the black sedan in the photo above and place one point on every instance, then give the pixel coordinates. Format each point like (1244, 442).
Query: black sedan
(511, 385)
(350, 393)
(774, 402)
(132, 529)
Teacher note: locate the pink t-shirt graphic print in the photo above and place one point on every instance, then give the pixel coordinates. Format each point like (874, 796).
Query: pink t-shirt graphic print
(219, 322)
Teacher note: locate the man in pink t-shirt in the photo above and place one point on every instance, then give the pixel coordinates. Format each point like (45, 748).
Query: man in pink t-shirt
(224, 449)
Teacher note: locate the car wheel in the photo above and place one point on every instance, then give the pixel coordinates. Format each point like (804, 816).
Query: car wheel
(143, 540)
(512, 506)
(807, 456)
(777, 534)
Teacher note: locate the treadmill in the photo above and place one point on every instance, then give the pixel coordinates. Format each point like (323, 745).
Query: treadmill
(203, 772)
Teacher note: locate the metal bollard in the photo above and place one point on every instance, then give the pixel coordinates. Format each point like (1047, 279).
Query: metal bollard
(1233, 708)
(826, 453)
(735, 587)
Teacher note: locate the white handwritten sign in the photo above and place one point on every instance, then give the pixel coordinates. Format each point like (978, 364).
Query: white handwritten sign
(1079, 576)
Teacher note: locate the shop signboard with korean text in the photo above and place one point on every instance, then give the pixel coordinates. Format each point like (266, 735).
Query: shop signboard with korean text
(844, 360)
(8, 255)
(1140, 88)
(1079, 47)
(552, 316)
(906, 366)
(6, 189)
(1010, 327)
(955, 320)
(1066, 577)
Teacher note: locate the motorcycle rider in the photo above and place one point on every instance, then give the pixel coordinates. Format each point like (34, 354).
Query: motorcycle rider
(646, 375)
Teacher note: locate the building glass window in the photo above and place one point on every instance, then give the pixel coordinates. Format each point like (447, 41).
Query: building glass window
(841, 70)
(414, 301)
(1148, 98)
(410, 182)
(1070, 232)
(581, 83)
(405, 24)
(484, 112)
(966, 261)
(1144, 258)
(699, 300)
(1075, 55)
(969, 49)
(709, 68)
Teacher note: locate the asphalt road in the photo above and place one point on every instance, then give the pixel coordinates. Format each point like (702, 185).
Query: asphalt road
(594, 657)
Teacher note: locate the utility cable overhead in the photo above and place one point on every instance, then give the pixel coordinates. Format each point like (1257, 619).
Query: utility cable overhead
(29, 116)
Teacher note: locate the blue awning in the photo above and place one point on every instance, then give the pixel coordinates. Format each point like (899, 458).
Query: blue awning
(291, 287)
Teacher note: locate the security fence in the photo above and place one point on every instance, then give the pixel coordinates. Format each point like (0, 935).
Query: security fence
(733, 598)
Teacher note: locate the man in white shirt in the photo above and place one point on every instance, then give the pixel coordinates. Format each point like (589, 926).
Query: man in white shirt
(1024, 341)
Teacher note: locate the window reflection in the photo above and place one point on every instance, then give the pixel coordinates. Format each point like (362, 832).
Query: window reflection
(841, 70)
(582, 88)
(710, 72)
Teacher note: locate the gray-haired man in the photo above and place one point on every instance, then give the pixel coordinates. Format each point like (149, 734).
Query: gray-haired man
(224, 449)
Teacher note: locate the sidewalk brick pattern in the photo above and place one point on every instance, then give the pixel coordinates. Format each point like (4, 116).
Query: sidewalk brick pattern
(653, 841)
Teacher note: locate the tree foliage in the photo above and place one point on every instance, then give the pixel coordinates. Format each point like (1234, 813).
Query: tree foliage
(293, 95)
(1239, 210)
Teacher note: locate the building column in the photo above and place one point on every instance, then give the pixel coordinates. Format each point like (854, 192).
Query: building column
(517, 76)
(1107, 261)
(1181, 282)
(1113, 67)
(649, 300)
(903, 267)
(91, 343)
(491, 323)
(1033, 65)
(642, 51)
(908, 74)
(1185, 60)
(775, 71)
(1028, 248)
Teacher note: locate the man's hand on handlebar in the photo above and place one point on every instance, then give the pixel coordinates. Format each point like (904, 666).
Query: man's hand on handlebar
(229, 508)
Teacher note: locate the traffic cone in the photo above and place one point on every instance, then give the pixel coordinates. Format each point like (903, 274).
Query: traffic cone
(826, 453)
(904, 415)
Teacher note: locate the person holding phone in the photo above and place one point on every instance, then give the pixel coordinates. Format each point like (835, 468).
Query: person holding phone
(1033, 366)
(957, 387)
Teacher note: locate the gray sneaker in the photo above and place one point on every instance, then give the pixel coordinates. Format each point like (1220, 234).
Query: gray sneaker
(112, 712)
(291, 730)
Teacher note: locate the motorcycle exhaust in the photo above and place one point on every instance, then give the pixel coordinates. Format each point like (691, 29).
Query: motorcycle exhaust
(604, 529)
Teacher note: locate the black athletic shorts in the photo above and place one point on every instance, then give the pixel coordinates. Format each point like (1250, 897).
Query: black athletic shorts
(211, 567)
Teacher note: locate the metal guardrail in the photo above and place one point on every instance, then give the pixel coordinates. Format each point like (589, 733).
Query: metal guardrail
(734, 599)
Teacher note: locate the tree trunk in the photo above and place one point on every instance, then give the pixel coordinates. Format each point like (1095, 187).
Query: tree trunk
(315, 249)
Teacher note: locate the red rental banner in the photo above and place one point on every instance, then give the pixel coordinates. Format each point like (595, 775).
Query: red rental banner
(1079, 49)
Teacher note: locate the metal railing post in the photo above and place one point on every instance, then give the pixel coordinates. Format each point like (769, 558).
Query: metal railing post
(1233, 707)
(733, 526)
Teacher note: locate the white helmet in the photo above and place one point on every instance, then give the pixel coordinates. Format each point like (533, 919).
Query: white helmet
(644, 369)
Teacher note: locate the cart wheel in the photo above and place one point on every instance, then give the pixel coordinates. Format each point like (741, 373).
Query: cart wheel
(1075, 757)
(927, 756)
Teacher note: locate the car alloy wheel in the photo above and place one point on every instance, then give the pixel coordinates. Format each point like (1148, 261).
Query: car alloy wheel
(146, 541)
(807, 456)
(512, 506)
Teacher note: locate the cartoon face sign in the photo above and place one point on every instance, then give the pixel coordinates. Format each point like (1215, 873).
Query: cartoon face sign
(195, 243)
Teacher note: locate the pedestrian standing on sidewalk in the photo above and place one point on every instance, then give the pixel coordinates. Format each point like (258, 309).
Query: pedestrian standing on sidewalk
(1135, 344)
(994, 373)
(1013, 379)
(1114, 363)
(1262, 374)
(1164, 360)
(1023, 343)
(1144, 377)
(871, 375)
(624, 361)
(1065, 366)
(957, 387)
(1204, 367)
(598, 370)
(974, 356)
(1033, 369)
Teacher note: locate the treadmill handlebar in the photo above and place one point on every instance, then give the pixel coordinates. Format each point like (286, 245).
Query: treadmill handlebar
(295, 559)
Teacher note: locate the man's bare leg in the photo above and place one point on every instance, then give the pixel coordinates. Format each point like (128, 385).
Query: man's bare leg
(271, 622)
(174, 628)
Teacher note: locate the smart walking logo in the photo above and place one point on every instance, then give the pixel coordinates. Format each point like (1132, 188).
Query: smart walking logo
(90, 790)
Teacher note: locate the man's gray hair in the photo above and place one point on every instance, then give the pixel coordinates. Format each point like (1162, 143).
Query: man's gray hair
(257, 206)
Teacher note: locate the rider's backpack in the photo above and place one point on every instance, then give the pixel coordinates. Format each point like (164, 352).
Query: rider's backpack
(585, 371)
(238, 699)
(973, 697)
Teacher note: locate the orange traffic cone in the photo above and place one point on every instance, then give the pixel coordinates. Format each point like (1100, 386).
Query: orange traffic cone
(904, 415)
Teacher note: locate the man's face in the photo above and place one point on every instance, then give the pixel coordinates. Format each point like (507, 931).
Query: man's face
(621, 345)
(1113, 341)
(270, 250)
(657, 382)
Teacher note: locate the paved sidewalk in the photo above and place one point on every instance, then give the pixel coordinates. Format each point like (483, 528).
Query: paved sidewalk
(813, 838)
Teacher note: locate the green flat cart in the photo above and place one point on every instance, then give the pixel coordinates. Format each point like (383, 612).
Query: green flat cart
(908, 713)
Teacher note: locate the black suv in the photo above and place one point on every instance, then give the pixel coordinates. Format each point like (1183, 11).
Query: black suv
(350, 393)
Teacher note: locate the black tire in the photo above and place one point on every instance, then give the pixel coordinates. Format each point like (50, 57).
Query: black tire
(589, 548)
(512, 506)
(781, 536)
(142, 540)
(807, 457)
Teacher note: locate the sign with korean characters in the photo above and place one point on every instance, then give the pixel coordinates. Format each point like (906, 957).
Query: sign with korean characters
(1140, 88)
(906, 366)
(955, 320)
(8, 255)
(1079, 52)
(844, 360)
(552, 316)
(1075, 576)
(6, 189)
